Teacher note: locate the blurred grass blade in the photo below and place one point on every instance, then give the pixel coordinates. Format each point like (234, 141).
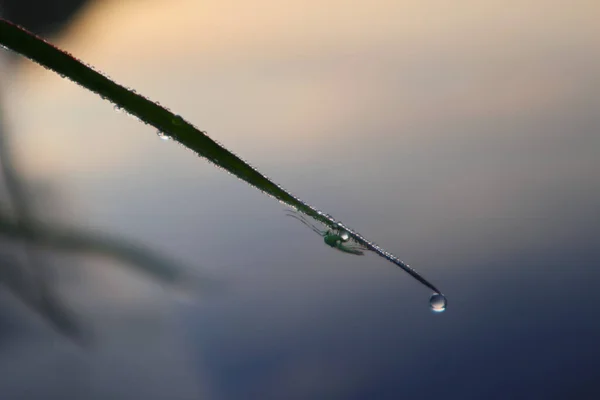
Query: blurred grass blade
(144, 259)
(172, 125)
(30, 280)
(41, 299)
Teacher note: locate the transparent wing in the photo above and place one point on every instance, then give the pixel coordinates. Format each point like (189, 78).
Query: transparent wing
(353, 248)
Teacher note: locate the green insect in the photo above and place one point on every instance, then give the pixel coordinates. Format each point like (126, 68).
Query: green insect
(336, 238)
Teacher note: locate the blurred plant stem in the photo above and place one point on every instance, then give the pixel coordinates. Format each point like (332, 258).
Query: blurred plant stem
(34, 287)
(72, 240)
(29, 277)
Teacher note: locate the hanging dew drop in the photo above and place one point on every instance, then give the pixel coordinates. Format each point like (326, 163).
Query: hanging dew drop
(163, 136)
(345, 236)
(437, 302)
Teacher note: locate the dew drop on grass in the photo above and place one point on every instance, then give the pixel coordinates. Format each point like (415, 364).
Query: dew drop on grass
(177, 120)
(345, 236)
(163, 136)
(438, 302)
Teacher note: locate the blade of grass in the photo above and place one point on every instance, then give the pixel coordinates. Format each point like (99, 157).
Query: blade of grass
(21, 41)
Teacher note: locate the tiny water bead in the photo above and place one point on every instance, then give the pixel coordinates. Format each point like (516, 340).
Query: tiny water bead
(177, 120)
(163, 136)
(438, 302)
(345, 236)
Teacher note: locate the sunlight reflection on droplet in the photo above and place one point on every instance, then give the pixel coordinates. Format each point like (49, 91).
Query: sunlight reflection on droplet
(438, 302)
(163, 136)
(345, 236)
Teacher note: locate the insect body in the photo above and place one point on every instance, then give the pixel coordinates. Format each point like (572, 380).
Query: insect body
(336, 238)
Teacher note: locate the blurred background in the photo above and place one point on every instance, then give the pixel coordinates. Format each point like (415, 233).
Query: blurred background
(461, 136)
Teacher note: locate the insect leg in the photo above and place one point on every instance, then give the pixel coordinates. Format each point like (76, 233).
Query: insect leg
(305, 222)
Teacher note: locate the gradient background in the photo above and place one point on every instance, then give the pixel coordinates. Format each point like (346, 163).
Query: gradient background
(462, 136)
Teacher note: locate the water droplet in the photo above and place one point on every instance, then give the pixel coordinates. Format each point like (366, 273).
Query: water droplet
(345, 236)
(177, 120)
(438, 302)
(163, 136)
